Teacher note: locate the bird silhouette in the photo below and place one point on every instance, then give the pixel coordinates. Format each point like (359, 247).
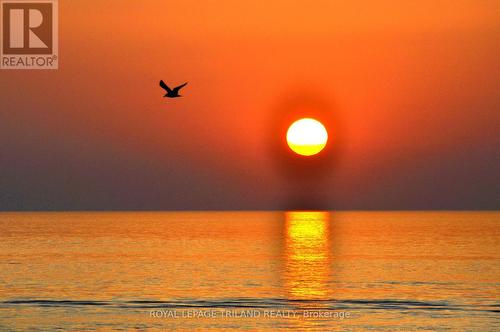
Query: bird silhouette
(172, 93)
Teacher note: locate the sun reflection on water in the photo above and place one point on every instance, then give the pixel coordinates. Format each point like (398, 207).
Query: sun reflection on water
(306, 255)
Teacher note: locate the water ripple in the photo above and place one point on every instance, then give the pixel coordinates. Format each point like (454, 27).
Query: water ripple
(256, 303)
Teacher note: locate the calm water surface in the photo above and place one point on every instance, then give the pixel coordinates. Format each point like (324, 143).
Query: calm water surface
(309, 271)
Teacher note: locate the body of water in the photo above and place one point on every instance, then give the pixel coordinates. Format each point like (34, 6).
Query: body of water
(258, 271)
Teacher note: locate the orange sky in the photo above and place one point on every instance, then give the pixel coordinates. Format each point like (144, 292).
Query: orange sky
(412, 89)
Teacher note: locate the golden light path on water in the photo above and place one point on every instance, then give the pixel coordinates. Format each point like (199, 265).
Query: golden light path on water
(306, 255)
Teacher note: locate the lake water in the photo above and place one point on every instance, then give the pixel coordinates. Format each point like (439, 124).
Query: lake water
(258, 271)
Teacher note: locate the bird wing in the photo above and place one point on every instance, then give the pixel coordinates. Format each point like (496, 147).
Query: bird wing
(163, 85)
(176, 90)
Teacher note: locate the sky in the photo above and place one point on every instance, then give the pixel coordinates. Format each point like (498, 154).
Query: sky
(410, 91)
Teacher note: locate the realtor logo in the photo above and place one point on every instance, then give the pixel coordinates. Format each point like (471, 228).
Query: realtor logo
(29, 34)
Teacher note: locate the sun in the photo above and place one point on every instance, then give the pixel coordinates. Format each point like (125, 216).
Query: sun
(307, 137)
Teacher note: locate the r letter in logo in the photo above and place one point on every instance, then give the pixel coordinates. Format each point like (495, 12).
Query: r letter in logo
(29, 34)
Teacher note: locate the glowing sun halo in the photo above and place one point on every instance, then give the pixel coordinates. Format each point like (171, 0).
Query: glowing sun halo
(307, 137)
